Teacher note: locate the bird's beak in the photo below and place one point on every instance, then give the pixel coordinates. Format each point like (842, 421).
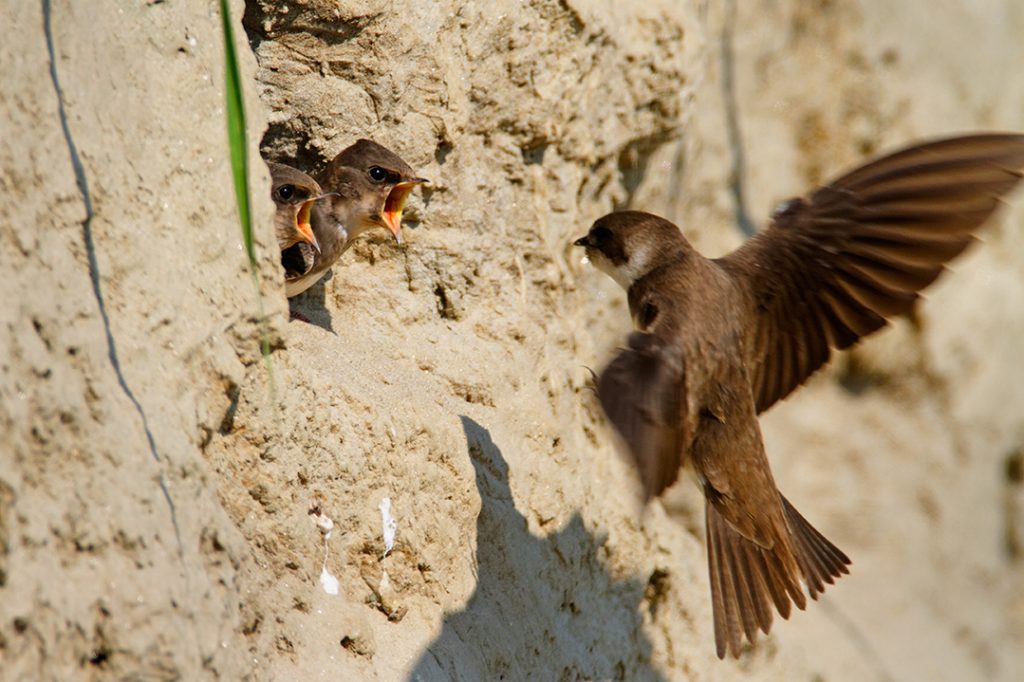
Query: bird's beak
(582, 241)
(302, 224)
(393, 205)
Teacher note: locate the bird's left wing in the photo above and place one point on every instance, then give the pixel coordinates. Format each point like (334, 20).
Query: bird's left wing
(643, 392)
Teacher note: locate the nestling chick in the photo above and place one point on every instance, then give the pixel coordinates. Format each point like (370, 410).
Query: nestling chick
(369, 185)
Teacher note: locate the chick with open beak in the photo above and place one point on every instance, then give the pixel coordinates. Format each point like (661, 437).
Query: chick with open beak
(294, 193)
(369, 185)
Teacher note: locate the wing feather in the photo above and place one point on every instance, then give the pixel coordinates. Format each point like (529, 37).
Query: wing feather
(642, 391)
(832, 268)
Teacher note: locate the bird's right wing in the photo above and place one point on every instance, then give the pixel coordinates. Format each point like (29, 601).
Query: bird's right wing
(643, 392)
(832, 267)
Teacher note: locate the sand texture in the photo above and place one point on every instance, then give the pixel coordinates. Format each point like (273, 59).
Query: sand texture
(156, 479)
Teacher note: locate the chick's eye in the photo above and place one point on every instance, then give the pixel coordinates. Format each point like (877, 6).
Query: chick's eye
(285, 192)
(378, 174)
(600, 234)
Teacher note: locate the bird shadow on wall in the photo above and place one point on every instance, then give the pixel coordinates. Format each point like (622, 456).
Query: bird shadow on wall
(544, 607)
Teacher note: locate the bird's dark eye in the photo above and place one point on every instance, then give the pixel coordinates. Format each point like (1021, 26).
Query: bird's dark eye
(285, 192)
(378, 174)
(600, 234)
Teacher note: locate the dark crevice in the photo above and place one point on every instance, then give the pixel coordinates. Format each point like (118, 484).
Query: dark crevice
(656, 592)
(1015, 468)
(1013, 506)
(857, 378)
(533, 154)
(737, 170)
(286, 142)
(94, 273)
(633, 162)
(233, 393)
(100, 657)
(444, 148)
(444, 306)
(268, 20)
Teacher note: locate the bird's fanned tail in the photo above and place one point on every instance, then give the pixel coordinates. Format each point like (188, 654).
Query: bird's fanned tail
(820, 561)
(747, 579)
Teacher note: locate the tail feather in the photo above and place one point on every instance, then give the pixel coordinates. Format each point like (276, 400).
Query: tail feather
(744, 589)
(723, 594)
(814, 553)
(756, 588)
(776, 585)
(747, 579)
(717, 600)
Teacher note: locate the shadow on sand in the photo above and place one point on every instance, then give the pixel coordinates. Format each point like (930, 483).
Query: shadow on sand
(311, 305)
(544, 607)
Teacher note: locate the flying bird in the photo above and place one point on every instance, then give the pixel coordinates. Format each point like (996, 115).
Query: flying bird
(718, 341)
(369, 185)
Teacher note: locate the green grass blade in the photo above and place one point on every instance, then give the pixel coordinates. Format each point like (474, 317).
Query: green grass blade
(238, 144)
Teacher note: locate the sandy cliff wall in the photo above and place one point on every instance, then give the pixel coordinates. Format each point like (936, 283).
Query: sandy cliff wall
(128, 315)
(155, 489)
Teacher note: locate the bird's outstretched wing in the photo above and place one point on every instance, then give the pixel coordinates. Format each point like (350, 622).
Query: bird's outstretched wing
(830, 268)
(643, 393)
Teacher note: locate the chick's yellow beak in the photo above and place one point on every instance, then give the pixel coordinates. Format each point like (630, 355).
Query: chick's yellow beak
(303, 226)
(395, 203)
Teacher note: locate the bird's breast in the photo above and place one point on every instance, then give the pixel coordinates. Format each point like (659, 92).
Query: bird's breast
(298, 285)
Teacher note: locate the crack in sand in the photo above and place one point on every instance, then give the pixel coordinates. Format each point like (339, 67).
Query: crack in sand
(737, 167)
(939, 389)
(94, 273)
(858, 639)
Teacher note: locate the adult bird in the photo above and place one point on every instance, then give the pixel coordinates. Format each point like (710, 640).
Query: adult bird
(717, 342)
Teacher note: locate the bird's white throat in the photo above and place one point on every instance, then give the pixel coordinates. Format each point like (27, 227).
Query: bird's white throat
(627, 273)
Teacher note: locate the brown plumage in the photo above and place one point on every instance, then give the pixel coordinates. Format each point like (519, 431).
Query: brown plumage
(293, 193)
(719, 341)
(369, 185)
